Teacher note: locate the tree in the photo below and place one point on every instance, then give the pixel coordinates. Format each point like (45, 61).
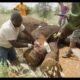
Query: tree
(43, 10)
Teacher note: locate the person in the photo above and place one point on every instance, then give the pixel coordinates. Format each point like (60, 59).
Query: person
(63, 11)
(9, 32)
(63, 18)
(22, 8)
(74, 40)
(74, 36)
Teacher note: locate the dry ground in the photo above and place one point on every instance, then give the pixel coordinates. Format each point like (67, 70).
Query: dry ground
(71, 66)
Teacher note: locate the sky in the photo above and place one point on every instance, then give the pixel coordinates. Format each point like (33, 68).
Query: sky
(11, 5)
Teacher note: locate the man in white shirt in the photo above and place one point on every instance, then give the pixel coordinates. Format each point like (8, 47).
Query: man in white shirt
(9, 32)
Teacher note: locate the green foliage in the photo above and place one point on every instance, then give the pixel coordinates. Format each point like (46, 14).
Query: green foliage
(22, 70)
(56, 10)
(3, 69)
(28, 11)
(4, 15)
(5, 11)
(74, 21)
(43, 10)
(76, 8)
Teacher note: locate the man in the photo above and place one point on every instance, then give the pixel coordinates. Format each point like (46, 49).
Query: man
(74, 26)
(23, 9)
(63, 11)
(74, 40)
(9, 32)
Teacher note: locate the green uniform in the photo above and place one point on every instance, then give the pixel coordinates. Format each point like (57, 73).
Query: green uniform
(74, 17)
(74, 22)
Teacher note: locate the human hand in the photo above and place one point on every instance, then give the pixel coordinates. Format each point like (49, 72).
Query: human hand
(57, 35)
(30, 45)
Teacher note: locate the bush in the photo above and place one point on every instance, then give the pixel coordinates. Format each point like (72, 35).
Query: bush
(43, 10)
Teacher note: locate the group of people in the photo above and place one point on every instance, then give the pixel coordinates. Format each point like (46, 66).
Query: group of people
(10, 30)
(74, 38)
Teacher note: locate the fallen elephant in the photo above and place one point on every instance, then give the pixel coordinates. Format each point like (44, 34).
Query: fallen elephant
(34, 59)
(35, 56)
(32, 25)
(48, 63)
(47, 32)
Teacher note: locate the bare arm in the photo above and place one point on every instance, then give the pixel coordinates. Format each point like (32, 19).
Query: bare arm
(16, 44)
(29, 35)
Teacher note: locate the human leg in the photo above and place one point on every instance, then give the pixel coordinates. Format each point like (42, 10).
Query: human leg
(12, 57)
(60, 20)
(69, 52)
(3, 54)
(74, 38)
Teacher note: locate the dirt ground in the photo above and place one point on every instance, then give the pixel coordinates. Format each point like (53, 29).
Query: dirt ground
(71, 66)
